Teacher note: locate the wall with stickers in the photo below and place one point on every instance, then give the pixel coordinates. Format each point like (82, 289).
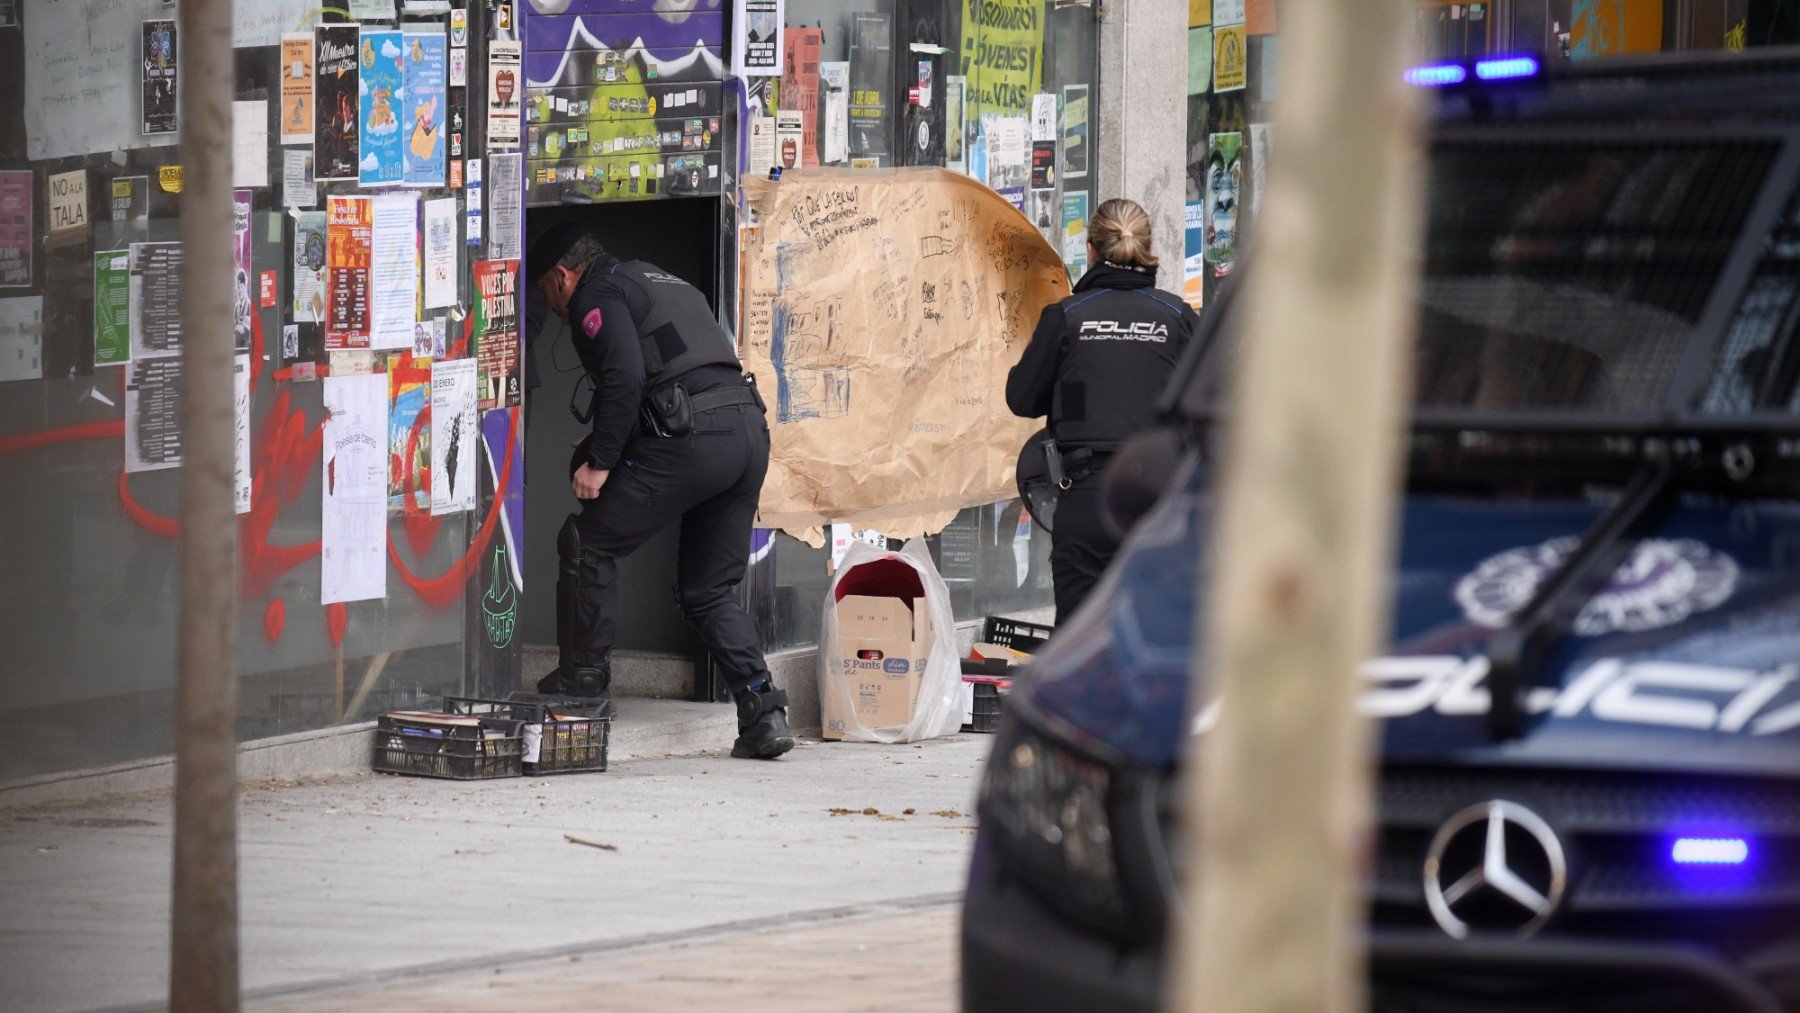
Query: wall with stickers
(380, 184)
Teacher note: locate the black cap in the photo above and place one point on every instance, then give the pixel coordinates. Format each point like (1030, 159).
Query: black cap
(552, 246)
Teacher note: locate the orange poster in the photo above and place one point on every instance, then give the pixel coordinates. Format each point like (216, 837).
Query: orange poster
(297, 89)
(1259, 17)
(349, 225)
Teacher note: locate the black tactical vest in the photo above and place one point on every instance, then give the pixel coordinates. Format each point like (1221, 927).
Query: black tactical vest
(679, 334)
(1119, 349)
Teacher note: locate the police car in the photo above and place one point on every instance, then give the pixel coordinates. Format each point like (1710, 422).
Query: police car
(1589, 784)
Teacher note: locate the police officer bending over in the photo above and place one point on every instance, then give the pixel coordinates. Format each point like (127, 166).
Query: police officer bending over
(678, 434)
(1095, 365)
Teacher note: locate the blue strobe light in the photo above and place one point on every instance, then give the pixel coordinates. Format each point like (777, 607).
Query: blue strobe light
(1710, 851)
(1437, 75)
(1506, 68)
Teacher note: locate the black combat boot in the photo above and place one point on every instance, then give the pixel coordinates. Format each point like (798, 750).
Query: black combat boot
(763, 732)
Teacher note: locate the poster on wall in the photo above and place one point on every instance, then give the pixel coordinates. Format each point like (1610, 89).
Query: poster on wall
(506, 207)
(309, 267)
(497, 332)
(428, 338)
(67, 202)
(1224, 182)
(426, 97)
(440, 252)
(1074, 232)
(871, 83)
(16, 237)
(240, 405)
(297, 55)
(349, 223)
(506, 87)
(153, 414)
(834, 91)
(155, 300)
(250, 144)
(298, 187)
(1230, 58)
(756, 42)
(112, 308)
(22, 338)
(1075, 131)
(1003, 53)
(956, 147)
(242, 304)
(379, 146)
(393, 270)
(409, 435)
(1228, 12)
(800, 88)
(453, 446)
(336, 82)
(790, 135)
(1193, 264)
(353, 523)
(161, 72)
(1262, 145)
(1200, 60)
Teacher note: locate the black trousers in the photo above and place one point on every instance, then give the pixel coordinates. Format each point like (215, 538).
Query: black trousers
(708, 481)
(1080, 546)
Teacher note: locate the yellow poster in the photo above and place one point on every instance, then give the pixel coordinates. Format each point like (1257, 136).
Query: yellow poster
(1002, 54)
(1229, 59)
(1199, 13)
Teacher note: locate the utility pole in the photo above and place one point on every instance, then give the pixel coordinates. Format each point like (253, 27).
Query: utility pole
(203, 964)
(1278, 791)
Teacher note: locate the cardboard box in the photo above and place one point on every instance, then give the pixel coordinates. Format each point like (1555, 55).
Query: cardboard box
(883, 646)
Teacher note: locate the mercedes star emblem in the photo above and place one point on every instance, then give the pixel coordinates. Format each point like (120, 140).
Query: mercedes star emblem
(1496, 866)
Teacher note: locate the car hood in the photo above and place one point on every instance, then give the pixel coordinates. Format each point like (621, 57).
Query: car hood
(1690, 657)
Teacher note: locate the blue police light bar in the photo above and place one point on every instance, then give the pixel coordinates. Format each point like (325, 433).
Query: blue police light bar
(1710, 851)
(1437, 75)
(1506, 68)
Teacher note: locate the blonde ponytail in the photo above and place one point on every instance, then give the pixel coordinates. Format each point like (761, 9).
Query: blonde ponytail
(1120, 232)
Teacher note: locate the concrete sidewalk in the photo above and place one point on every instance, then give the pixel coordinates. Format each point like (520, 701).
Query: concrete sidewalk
(357, 879)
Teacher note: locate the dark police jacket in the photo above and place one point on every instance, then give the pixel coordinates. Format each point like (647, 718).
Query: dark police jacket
(1099, 358)
(637, 328)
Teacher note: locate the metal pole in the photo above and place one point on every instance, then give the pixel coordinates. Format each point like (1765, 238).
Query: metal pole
(203, 965)
(1279, 787)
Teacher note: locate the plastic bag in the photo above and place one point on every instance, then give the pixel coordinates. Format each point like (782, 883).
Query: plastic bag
(908, 574)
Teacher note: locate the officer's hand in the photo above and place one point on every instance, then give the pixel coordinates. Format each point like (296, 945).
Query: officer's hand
(587, 481)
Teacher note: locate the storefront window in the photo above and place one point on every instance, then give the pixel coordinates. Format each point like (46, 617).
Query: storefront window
(376, 569)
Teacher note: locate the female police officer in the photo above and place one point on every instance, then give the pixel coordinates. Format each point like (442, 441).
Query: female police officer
(1095, 365)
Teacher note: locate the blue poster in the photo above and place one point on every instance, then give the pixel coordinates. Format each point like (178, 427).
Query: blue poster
(378, 125)
(424, 104)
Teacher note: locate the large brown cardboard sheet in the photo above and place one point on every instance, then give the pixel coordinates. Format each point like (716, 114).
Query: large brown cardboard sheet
(882, 310)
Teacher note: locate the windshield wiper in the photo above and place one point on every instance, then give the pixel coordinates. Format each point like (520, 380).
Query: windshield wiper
(1516, 654)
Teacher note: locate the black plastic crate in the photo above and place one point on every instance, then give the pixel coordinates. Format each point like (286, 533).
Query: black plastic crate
(492, 748)
(573, 734)
(990, 694)
(1016, 634)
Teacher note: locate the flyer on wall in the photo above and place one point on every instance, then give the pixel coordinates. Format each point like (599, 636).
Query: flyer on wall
(834, 102)
(16, 238)
(453, 446)
(394, 270)
(22, 338)
(161, 74)
(756, 43)
(297, 88)
(336, 82)
(241, 301)
(497, 332)
(309, 267)
(425, 101)
(353, 523)
(240, 402)
(153, 414)
(155, 300)
(506, 205)
(440, 252)
(505, 90)
(409, 435)
(1075, 131)
(348, 235)
(112, 308)
(1224, 182)
(379, 144)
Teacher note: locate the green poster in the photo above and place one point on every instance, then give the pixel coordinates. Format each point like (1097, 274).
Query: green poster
(1200, 54)
(112, 308)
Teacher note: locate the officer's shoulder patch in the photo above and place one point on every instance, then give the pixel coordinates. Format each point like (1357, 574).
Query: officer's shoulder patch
(590, 324)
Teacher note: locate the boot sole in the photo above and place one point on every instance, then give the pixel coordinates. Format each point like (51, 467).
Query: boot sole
(763, 751)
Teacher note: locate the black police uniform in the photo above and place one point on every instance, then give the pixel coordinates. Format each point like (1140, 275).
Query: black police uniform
(1095, 365)
(647, 337)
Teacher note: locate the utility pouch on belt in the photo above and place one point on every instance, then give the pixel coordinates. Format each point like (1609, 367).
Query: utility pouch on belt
(1053, 465)
(668, 412)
